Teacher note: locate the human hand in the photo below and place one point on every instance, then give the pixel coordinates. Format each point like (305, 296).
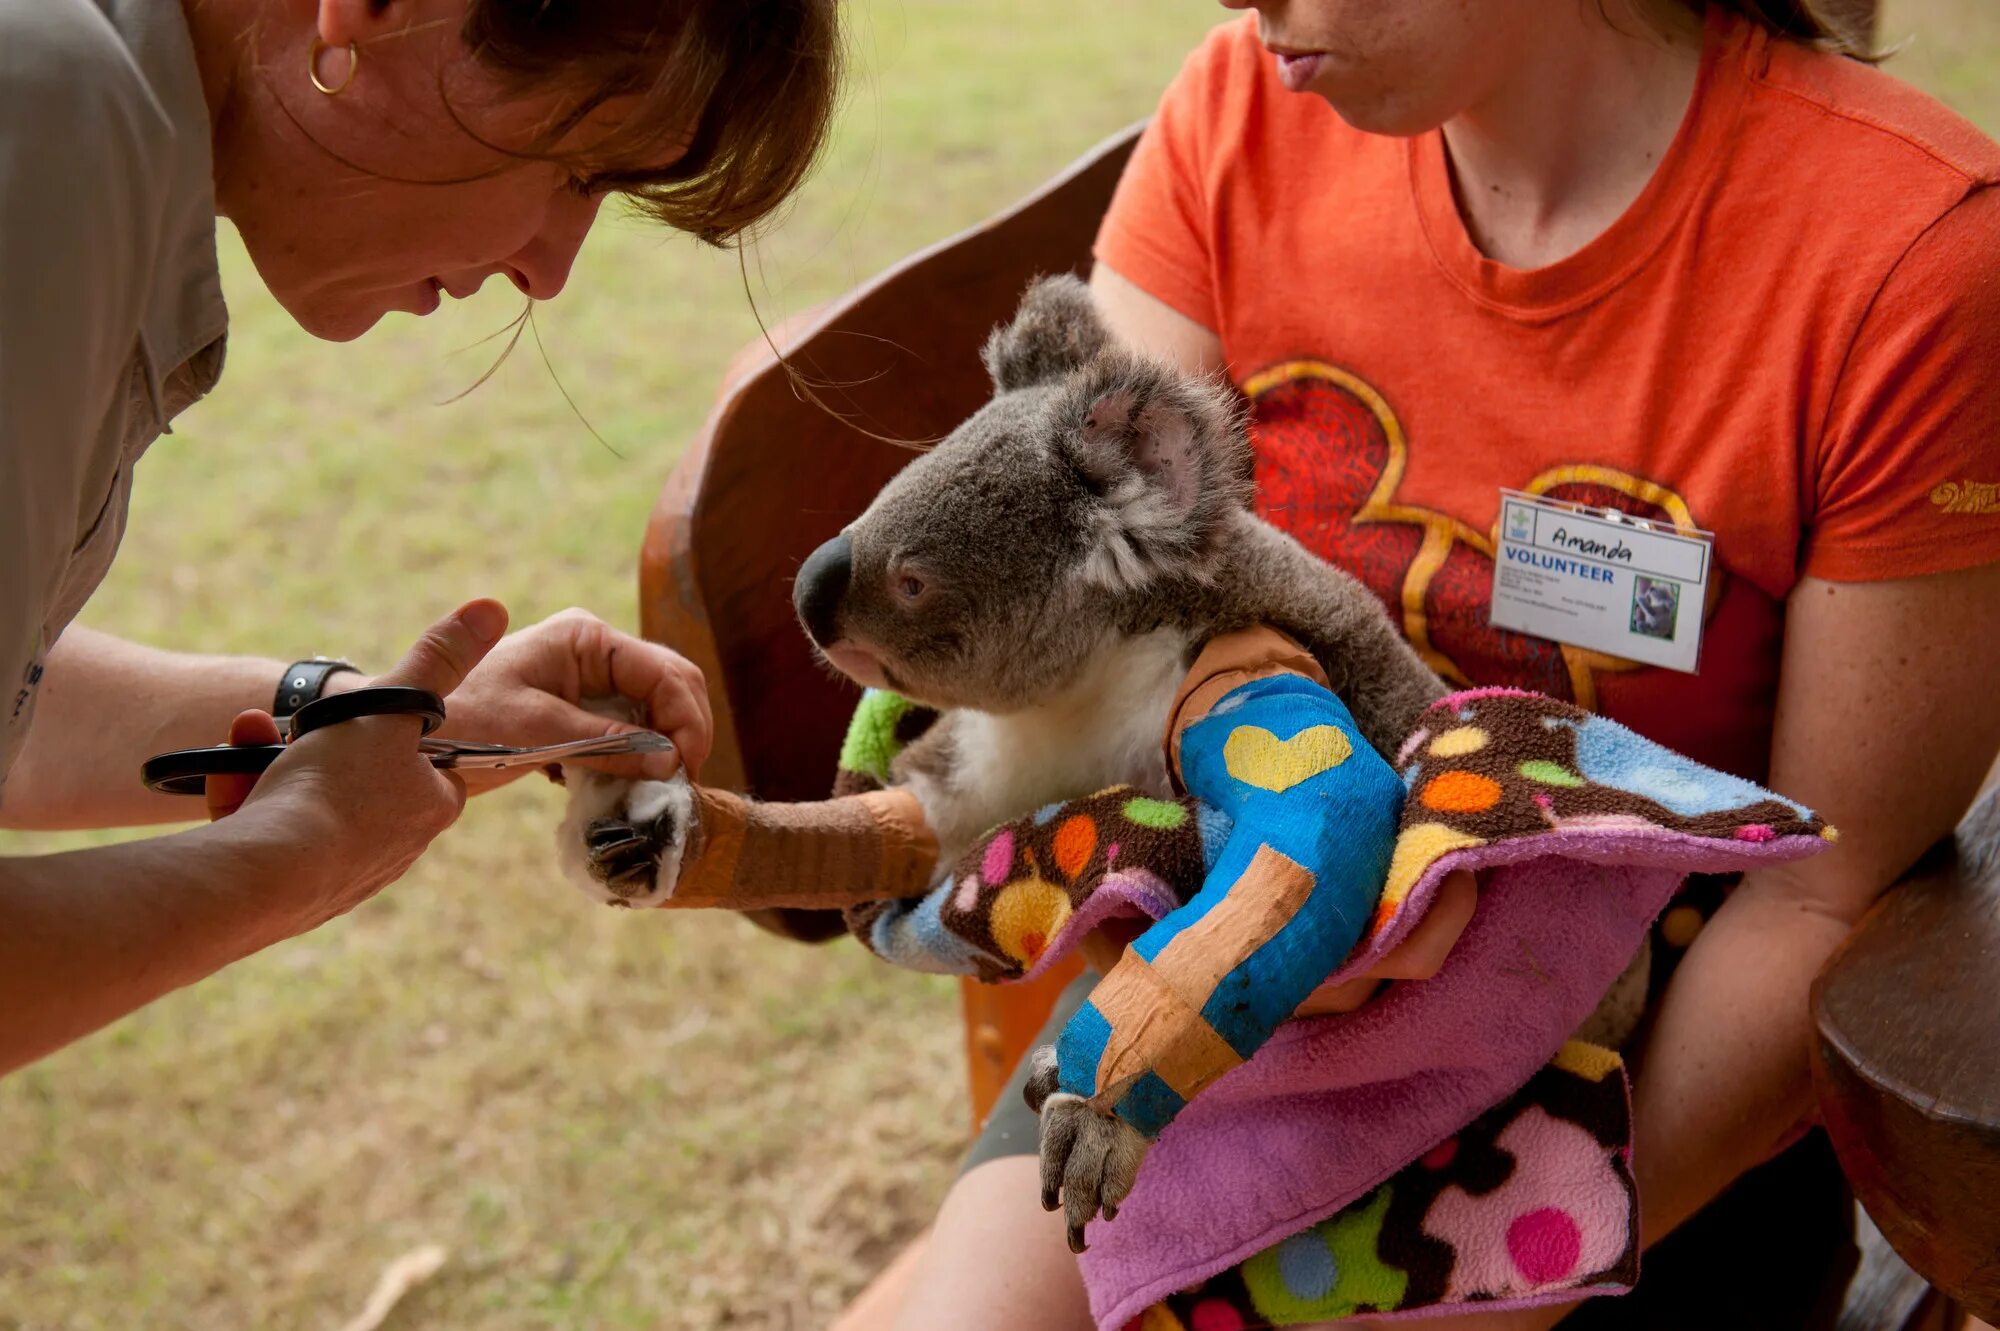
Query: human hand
(353, 805)
(543, 684)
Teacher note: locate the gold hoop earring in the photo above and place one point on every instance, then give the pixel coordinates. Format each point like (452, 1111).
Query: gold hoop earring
(312, 66)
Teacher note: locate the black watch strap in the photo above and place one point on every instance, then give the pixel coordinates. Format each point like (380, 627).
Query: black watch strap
(303, 682)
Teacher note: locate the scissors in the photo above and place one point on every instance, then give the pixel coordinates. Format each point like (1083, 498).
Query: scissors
(186, 771)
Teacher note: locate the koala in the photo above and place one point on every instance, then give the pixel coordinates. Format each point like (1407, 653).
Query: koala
(1653, 612)
(1043, 578)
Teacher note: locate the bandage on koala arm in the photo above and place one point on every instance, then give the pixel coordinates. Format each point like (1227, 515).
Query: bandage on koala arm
(829, 854)
(1256, 733)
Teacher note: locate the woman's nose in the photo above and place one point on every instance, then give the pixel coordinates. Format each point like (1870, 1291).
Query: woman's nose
(541, 267)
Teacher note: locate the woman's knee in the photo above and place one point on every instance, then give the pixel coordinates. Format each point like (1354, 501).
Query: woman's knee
(995, 1258)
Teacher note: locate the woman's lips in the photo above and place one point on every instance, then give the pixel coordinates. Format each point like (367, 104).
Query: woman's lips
(1298, 70)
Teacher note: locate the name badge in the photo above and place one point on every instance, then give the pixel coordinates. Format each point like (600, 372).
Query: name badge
(1601, 579)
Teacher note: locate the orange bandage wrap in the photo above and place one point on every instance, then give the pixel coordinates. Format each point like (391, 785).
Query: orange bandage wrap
(743, 855)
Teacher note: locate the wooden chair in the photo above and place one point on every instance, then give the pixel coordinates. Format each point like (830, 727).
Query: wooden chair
(772, 475)
(1908, 1063)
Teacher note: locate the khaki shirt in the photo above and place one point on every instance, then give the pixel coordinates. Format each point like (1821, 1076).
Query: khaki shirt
(111, 313)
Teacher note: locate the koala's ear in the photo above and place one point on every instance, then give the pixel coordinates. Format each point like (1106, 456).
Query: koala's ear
(1055, 331)
(1162, 459)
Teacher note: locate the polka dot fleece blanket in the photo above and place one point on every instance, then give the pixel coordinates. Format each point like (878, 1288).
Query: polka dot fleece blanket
(1444, 1144)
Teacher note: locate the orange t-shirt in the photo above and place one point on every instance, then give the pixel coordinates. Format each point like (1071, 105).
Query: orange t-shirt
(1791, 339)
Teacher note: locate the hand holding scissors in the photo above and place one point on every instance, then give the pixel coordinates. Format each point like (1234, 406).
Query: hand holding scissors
(186, 771)
(525, 692)
(346, 807)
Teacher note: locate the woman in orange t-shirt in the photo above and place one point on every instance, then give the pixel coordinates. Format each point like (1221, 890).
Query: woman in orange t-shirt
(1692, 264)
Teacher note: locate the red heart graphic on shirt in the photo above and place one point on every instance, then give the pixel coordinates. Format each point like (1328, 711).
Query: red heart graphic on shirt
(1330, 457)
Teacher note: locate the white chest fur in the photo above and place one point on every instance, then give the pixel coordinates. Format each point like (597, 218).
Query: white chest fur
(1106, 730)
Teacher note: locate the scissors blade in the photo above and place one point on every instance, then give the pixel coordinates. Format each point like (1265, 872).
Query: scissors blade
(462, 746)
(464, 753)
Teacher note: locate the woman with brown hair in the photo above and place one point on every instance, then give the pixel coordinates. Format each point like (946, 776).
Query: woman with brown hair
(1690, 261)
(375, 155)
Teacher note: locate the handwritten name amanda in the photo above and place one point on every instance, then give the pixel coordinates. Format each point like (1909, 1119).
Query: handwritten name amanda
(1590, 545)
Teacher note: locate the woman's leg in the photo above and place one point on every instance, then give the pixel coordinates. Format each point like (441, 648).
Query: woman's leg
(995, 1260)
(878, 1305)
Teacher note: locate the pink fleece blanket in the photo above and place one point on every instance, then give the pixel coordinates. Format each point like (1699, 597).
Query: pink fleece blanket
(1581, 831)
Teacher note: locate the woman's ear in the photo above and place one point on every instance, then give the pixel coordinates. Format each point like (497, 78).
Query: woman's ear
(341, 22)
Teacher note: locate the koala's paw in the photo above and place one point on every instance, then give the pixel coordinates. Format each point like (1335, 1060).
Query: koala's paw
(1044, 1073)
(623, 840)
(1090, 1159)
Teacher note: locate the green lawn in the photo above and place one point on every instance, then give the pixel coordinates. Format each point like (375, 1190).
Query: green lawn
(608, 1121)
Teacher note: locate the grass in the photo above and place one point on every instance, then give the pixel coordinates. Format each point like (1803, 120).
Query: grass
(609, 1121)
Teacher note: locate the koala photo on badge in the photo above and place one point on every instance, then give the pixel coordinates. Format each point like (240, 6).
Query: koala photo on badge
(1655, 607)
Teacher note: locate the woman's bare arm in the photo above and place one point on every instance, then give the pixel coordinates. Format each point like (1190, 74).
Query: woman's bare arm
(106, 706)
(1887, 725)
(1149, 325)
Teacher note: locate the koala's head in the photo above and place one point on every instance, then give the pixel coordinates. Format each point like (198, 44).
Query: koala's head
(989, 572)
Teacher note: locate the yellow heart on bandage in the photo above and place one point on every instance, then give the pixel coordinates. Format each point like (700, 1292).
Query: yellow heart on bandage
(1258, 758)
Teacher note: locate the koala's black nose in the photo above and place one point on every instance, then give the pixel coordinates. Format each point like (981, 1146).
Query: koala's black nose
(821, 585)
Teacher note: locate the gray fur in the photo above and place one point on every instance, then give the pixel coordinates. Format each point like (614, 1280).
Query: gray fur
(1046, 575)
(1056, 330)
(1047, 530)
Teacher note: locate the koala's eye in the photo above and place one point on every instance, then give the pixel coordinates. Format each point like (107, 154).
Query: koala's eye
(910, 588)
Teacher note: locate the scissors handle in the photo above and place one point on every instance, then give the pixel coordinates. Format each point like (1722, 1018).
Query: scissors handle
(378, 700)
(186, 771)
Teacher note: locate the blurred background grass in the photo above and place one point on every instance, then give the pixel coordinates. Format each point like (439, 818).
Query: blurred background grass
(609, 1121)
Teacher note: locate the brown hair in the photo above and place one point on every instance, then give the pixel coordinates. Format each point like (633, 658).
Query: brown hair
(1846, 26)
(730, 99)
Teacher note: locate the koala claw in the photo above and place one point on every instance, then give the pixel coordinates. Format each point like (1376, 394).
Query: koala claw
(622, 857)
(624, 839)
(1090, 1159)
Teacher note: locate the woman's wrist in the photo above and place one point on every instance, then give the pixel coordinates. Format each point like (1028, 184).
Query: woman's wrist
(308, 680)
(344, 681)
